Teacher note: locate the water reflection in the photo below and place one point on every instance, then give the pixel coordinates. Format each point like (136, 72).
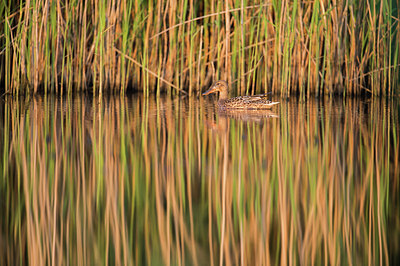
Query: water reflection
(171, 181)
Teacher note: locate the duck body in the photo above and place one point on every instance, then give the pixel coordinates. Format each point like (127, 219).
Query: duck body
(259, 101)
(246, 102)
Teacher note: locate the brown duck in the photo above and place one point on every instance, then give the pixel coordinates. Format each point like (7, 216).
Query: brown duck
(259, 101)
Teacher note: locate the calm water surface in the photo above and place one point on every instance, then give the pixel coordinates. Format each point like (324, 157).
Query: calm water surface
(89, 181)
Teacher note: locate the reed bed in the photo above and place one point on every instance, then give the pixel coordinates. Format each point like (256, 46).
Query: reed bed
(152, 180)
(287, 47)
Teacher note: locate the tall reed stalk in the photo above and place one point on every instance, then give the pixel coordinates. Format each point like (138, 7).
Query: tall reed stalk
(296, 47)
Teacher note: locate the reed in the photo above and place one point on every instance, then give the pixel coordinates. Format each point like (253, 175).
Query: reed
(296, 47)
(164, 180)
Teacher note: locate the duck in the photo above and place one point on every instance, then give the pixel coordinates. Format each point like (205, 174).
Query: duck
(259, 101)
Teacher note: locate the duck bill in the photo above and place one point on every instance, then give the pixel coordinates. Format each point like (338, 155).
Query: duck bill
(210, 90)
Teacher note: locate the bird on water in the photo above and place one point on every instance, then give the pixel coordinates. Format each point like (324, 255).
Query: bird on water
(259, 101)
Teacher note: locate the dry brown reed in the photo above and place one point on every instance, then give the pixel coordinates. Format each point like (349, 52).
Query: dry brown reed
(316, 47)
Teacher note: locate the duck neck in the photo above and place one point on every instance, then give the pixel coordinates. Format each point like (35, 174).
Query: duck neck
(223, 95)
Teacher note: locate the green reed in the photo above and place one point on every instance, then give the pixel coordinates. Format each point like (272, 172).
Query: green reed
(310, 47)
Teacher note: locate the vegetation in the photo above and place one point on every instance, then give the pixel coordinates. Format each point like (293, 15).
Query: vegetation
(301, 47)
(123, 180)
(168, 180)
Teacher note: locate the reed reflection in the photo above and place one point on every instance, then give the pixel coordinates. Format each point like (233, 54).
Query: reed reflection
(136, 180)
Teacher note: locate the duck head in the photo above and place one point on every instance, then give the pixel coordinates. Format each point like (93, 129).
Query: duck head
(220, 86)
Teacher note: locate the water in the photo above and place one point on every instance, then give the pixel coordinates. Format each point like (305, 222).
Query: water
(173, 181)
